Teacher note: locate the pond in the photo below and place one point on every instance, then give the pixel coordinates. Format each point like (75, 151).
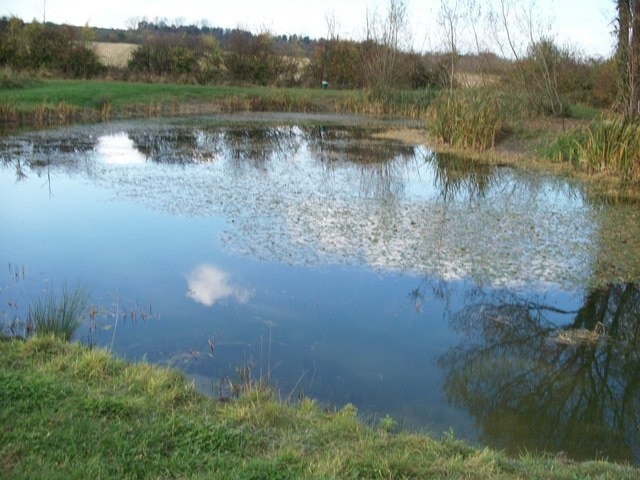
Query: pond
(499, 304)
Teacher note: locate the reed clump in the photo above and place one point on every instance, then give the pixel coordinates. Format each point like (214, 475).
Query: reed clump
(606, 145)
(466, 118)
(43, 114)
(59, 316)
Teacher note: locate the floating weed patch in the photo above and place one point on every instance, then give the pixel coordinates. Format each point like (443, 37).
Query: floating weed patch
(409, 211)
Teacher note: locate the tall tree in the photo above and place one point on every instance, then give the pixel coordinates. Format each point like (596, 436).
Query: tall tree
(386, 36)
(628, 56)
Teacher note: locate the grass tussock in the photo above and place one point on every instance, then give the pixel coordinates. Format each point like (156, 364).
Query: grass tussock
(403, 103)
(73, 412)
(58, 315)
(606, 145)
(470, 118)
(43, 115)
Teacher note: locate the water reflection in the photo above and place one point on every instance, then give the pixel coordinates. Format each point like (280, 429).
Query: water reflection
(497, 247)
(118, 149)
(175, 145)
(208, 284)
(536, 377)
(253, 148)
(310, 194)
(456, 176)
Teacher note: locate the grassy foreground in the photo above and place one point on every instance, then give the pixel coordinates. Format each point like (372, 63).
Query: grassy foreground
(74, 412)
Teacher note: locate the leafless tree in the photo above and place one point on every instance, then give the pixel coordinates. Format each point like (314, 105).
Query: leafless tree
(386, 36)
(520, 34)
(450, 20)
(628, 56)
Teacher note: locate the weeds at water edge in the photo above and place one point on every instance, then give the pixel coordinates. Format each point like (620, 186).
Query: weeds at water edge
(58, 315)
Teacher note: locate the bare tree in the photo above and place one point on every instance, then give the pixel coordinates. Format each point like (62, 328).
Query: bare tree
(520, 34)
(132, 22)
(332, 25)
(628, 56)
(386, 36)
(449, 17)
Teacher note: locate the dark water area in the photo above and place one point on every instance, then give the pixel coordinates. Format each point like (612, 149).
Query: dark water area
(497, 303)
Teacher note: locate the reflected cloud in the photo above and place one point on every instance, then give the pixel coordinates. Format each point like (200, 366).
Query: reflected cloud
(119, 149)
(207, 284)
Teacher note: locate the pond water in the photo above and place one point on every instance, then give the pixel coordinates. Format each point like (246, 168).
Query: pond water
(500, 304)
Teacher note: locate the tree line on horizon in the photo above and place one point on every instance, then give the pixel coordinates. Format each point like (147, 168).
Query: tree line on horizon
(212, 55)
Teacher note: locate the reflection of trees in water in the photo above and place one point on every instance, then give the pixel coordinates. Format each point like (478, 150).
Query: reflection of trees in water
(570, 386)
(253, 148)
(40, 150)
(381, 164)
(455, 175)
(175, 145)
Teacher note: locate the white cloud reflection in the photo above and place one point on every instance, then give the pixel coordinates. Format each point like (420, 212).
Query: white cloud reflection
(207, 284)
(119, 149)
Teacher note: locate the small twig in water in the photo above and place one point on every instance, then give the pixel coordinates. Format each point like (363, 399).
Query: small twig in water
(269, 353)
(113, 335)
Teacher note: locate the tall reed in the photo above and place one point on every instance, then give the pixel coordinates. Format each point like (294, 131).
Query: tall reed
(613, 146)
(466, 118)
(607, 145)
(59, 316)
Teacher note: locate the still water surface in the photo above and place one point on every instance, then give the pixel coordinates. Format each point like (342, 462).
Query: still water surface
(501, 304)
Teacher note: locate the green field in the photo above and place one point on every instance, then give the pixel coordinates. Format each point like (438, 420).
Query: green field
(89, 94)
(74, 412)
(45, 102)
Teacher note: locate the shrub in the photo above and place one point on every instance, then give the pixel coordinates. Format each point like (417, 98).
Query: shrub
(196, 59)
(36, 46)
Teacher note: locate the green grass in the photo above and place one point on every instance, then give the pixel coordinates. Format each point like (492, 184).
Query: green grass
(58, 315)
(606, 145)
(470, 118)
(73, 412)
(95, 100)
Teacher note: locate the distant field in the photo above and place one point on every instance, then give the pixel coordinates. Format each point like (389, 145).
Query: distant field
(114, 54)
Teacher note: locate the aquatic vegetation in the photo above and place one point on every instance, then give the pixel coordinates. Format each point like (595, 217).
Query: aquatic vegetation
(606, 145)
(58, 315)
(470, 118)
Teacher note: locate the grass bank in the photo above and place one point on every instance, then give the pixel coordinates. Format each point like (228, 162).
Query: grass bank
(49, 102)
(73, 412)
